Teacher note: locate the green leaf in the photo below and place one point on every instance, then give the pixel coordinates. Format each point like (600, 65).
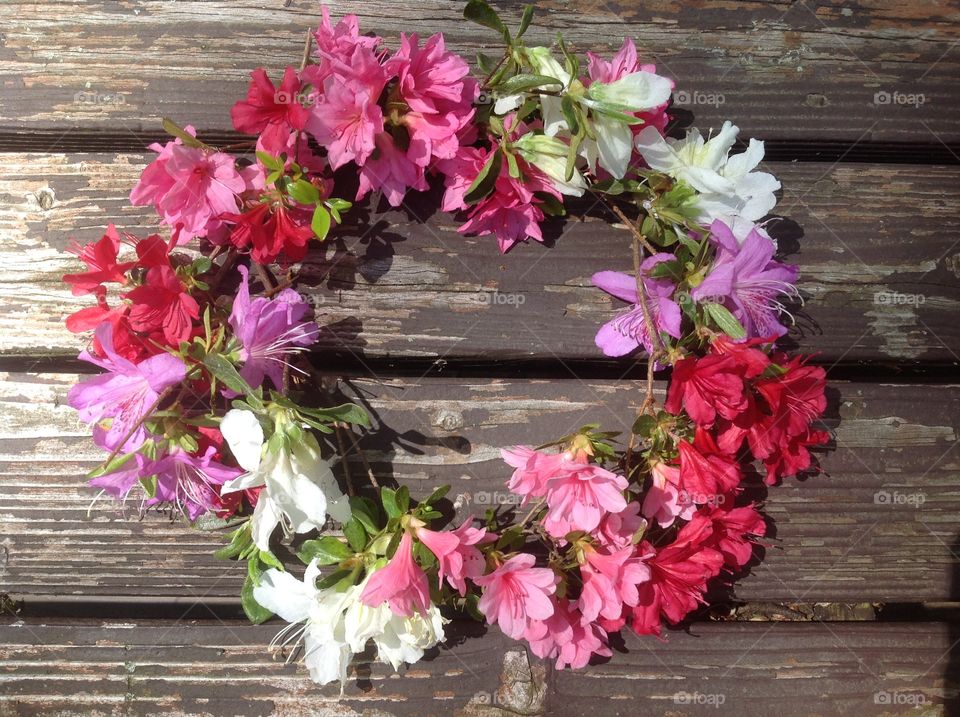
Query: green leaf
(333, 578)
(570, 114)
(485, 181)
(725, 321)
(240, 540)
(172, 128)
(525, 20)
(270, 560)
(320, 222)
(481, 13)
(344, 413)
(304, 192)
(116, 463)
(149, 484)
(525, 83)
(254, 611)
(226, 373)
(485, 63)
(388, 497)
(326, 551)
(512, 166)
(367, 512)
(437, 494)
(644, 425)
(355, 534)
(403, 498)
(269, 161)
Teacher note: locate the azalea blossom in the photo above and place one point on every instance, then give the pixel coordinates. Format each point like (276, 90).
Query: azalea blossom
(517, 593)
(533, 469)
(727, 185)
(566, 637)
(102, 265)
(125, 394)
(456, 552)
(664, 502)
(610, 581)
(299, 487)
(269, 330)
(401, 583)
(746, 278)
(579, 495)
(268, 105)
(628, 331)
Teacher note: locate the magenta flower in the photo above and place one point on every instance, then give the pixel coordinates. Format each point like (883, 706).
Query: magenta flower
(579, 495)
(747, 280)
(457, 553)
(125, 394)
(269, 330)
(190, 186)
(391, 172)
(517, 593)
(628, 331)
(191, 483)
(346, 121)
(401, 583)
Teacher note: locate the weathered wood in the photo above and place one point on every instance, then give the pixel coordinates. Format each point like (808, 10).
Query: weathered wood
(878, 256)
(202, 668)
(779, 69)
(879, 525)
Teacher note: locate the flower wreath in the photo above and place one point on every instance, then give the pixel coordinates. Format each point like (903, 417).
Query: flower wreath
(201, 404)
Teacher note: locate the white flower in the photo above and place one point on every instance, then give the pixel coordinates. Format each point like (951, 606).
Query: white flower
(728, 186)
(549, 155)
(637, 92)
(299, 487)
(336, 625)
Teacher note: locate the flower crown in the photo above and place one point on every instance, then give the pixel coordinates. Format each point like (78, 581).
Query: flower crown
(205, 404)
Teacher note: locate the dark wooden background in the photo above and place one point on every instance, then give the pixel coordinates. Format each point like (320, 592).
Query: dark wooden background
(851, 611)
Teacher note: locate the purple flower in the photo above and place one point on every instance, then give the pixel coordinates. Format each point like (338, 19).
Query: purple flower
(125, 394)
(747, 280)
(269, 330)
(628, 330)
(188, 481)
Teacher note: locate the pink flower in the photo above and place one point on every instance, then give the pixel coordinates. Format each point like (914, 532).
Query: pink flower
(191, 187)
(579, 495)
(390, 170)
(533, 470)
(566, 637)
(125, 394)
(401, 583)
(512, 212)
(346, 121)
(336, 45)
(457, 553)
(616, 530)
(267, 105)
(517, 593)
(437, 87)
(664, 501)
(610, 581)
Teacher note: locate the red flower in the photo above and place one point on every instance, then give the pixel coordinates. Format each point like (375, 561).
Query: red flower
(266, 105)
(751, 360)
(791, 456)
(732, 529)
(797, 398)
(704, 470)
(706, 387)
(102, 265)
(271, 230)
(162, 304)
(678, 577)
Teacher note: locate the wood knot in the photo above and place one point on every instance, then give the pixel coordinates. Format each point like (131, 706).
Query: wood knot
(45, 198)
(448, 420)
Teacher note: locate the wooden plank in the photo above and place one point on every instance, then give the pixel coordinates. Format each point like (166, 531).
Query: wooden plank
(879, 257)
(753, 669)
(781, 70)
(879, 525)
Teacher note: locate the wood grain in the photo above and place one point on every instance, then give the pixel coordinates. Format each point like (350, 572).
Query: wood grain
(780, 70)
(881, 524)
(877, 246)
(211, 668)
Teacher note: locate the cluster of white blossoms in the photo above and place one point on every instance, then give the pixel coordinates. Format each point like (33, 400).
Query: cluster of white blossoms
(335, 625)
